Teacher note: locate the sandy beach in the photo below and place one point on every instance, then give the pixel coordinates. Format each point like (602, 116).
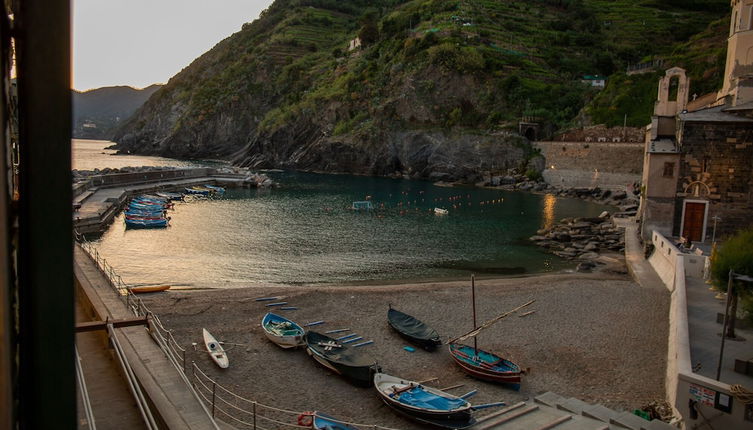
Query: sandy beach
(598, 337)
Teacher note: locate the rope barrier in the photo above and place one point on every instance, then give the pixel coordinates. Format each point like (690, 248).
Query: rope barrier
(742, 394)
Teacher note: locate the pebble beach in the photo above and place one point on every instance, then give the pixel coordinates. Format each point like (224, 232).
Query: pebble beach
(598, 337)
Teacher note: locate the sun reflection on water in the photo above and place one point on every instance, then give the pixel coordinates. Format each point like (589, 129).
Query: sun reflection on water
(548, 215)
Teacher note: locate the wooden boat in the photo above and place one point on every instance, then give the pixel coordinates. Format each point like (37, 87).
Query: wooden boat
(486, 365)
(440, 211)
(169, 196)
(362, 206)
(482, 364)
(148, 289)
(322, 421)
(413, 329)
(342, 359)
(282, 331)
(198, 190)
(421, 402)
(146, 223)
(216, 351)
(214, 188)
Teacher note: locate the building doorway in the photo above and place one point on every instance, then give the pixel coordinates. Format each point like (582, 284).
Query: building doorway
(694, 220)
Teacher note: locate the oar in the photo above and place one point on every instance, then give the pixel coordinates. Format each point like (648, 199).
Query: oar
(452, 387)
(347, 336)
(427, 380)
(469, 394)
(231, 343)
(339, 330)
(355, 339)
(266, 299)
(276, 304)
(313, 323)
(488, 405)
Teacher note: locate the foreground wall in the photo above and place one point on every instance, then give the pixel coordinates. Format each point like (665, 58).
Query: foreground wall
(682, 385)
(606, 165)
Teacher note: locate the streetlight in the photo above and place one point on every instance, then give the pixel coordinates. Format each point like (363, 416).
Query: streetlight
(730, 292)
(714, 218)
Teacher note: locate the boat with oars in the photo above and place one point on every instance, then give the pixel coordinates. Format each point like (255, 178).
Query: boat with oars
(348, 361)
(482, 364)
(426, 404)
(413, 329)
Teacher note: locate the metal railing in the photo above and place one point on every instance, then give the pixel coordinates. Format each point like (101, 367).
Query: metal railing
(218, 401)
(85, 401)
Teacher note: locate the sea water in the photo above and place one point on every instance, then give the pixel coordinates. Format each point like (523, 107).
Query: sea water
(305, 232)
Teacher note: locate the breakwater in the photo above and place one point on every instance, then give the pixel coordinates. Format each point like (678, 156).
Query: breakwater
(99, 197)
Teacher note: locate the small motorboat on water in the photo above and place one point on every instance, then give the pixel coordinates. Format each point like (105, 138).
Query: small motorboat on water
(169, 195)
(440, 211)
(146, 223)
(202, 191)
(214, 188)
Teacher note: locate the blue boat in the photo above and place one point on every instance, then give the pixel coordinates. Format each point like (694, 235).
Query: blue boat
(146, 223)
(144, 213)
(322, 421)
(199, 190)
(153, 207)
(170, 196)
(216, 189)
(282, 331)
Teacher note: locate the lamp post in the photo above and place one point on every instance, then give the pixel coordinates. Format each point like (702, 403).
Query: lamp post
(714, 218)
(730, 292)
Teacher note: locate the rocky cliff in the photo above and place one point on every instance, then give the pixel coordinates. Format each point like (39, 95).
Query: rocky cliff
(435, 90)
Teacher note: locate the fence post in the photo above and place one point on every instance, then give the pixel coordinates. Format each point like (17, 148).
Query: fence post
(214, 389)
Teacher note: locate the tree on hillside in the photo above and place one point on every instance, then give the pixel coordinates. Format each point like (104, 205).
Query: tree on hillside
(736, 254)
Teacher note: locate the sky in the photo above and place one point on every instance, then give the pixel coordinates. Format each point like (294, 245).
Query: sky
(142, 42)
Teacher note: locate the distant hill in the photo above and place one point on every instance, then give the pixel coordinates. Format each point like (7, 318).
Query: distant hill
(97, 111)
(436, 89)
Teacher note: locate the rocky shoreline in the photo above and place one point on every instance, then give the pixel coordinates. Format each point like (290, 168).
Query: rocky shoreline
(254, 179)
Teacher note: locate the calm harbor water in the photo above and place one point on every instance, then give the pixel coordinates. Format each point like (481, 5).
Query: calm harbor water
(92, 154)
(304, 232)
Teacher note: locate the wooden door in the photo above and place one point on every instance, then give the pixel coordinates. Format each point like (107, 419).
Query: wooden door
(693, 223)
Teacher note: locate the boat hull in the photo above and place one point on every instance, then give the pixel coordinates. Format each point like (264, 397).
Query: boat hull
(216, 352)
(413, 330)
(343, 360)
(282, 339)
(486, 366)
(149, 289)
(458, 416)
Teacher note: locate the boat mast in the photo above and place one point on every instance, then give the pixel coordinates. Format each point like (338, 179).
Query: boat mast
(473, 299)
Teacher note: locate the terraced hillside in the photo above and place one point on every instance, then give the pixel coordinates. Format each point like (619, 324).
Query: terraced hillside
(432, 91)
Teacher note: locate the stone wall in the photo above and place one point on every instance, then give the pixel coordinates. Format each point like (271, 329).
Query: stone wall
(586, 164)
(602, 134)
(717, 165)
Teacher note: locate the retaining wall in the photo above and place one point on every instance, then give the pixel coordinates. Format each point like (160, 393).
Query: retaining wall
(591, 164)
(682, 385)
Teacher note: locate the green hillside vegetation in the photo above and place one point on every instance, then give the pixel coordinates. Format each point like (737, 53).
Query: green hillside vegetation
(702, 56)
(464, 65)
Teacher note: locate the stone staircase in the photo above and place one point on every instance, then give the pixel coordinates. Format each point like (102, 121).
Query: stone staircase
(551, 411)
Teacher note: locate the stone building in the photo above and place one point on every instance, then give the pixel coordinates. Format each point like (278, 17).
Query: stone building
(698, 165)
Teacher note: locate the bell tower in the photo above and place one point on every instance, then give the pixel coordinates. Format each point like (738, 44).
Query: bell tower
(738, 73)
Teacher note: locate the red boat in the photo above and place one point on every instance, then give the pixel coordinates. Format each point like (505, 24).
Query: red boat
(486, 365)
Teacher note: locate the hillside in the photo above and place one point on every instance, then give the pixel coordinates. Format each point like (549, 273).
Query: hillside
(96, 112)
(435, 90)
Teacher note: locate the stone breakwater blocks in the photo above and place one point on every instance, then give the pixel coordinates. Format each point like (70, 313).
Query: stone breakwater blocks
(549, 399)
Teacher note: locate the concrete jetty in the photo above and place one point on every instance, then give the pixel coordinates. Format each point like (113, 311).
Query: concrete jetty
(98, 200)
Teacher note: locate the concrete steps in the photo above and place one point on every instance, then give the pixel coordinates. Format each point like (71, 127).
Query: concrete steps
(552, 411)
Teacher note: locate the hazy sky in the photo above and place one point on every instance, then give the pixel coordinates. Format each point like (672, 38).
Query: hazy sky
(141, 42)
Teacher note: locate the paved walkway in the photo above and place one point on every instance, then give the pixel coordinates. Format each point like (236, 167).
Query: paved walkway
(705, 336)
(704, 331)
(637, 264)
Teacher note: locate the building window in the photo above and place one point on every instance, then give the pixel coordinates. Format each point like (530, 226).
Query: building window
(706, 164)
(669, 170)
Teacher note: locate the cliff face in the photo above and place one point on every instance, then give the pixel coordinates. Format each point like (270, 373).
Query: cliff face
(435, 91)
